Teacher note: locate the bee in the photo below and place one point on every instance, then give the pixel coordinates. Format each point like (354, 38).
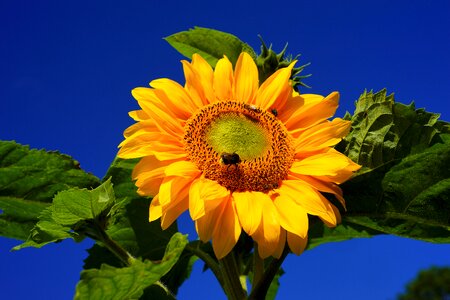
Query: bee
(274, 112)
(253, 108)
(230, 159)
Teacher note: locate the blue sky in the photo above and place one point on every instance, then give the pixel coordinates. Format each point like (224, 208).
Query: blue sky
(67, 68)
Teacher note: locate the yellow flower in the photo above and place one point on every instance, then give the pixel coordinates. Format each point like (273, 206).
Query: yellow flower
(238, 155)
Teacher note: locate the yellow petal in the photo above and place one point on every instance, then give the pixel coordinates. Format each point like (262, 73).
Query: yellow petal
(142, 126)
(294, 103)
(323, 186)
(321, 164)
(138, 145)
(274, 91)
(205, 74)
(249, 209)
(149, 164)
(139, 115)
(175, 97)
(268, 233)
(296, 244)
(343, 174)
(171, 190)
(149, 173)
(199, 80)
(245, 79)
(293, 217)
(270, 220)
(206, 224)
(184, 169)
(227, 231)
(310, 199)
(320, 136)
(204, 196)
(281, 244)
(155, 210)
(143, 143)
(336, 220)
(266, 247)
(313, 113)
(155, 107)
(179, 205)
(164, 151)
(193, 85)
(223, 80)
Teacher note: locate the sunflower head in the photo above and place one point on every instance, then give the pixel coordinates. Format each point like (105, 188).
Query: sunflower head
(238, 153)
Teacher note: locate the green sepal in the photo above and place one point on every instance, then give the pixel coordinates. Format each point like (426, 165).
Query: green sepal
(129, 282)
(268, 62)
(210, 44)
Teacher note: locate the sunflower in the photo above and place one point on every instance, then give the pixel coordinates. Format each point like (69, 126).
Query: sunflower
(238, 155)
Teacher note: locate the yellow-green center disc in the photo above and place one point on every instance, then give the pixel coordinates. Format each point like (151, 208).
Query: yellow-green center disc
(234, 133)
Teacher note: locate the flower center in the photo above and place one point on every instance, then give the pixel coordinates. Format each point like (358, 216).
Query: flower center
(240, 146)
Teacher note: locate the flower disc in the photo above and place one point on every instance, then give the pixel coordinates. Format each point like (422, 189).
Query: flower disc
(257, 137)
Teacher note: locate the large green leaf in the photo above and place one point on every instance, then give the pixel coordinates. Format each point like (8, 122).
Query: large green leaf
(384, 130)
(128, 282)
(412, 199)
(73, 213)
(404, 186)
(211, 44)
(28, 181)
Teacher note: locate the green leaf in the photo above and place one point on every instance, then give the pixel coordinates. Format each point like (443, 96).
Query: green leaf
(404, 186)
(28, 181)
(319, 234)
(47, 231)
(384, 130)
(72, 206)
(180, 272)
(412, 199)
(128, 282)
(129, 225)
(130, 228)
(72, 212)
(211, 44)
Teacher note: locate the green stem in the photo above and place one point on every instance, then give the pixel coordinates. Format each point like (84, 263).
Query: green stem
(101, 236)
(231, 278)
(259, 291)
(209, 261)
(115, 248)
(258, 266)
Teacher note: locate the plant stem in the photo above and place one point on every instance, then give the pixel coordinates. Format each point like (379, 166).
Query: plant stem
(230, 272)
(259, 291)
(115, 248)
(209, 261)
(101, 236)
(258, 266)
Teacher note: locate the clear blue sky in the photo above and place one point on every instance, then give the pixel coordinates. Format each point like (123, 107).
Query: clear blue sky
(67, 68)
